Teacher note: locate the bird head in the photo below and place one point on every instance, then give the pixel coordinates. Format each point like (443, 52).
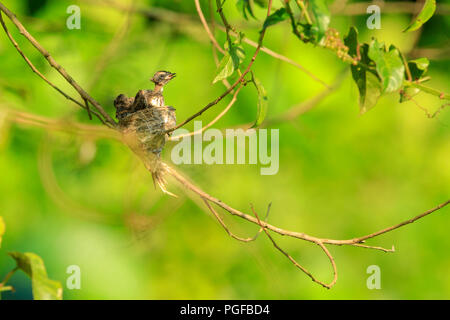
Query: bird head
(162, 77)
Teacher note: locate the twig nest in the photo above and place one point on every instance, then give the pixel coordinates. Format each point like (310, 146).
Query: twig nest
(149, 126)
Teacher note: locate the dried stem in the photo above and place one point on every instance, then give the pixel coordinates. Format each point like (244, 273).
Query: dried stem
(222, 223)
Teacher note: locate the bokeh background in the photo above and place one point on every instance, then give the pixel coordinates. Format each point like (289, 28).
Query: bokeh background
(84, 200)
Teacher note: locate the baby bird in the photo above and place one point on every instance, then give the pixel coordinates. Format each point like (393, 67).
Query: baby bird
(144, 120)
(153, 98)
(144, 98)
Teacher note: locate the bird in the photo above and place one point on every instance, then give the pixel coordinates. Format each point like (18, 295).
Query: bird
(144, 121)
(144, 98)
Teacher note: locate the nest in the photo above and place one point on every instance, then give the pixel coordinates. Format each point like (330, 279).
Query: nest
(144, 130)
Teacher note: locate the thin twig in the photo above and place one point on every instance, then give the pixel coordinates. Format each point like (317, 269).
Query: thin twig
(309, 274)
(357, 242)
(182, 19)
(222, 223)
(57, 66)
(219, 116)
(93, 131)
(241, 78)
(208, 31)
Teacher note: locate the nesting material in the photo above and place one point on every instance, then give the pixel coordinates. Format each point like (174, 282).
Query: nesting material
(144, 121)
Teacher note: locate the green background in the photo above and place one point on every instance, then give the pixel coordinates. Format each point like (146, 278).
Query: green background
(86, 201)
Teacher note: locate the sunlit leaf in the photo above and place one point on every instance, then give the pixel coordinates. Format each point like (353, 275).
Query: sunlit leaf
(276, 17)
(407, 93)
(230, 62)
(389, 65)
(43, 288)
(225, 69)
(245, 6)
(369, 84)
(262, 103)
(425, 14)
(322, 17)
(418, 67)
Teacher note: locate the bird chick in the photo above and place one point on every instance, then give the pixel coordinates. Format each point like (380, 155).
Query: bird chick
(153, 98)
(144, 98)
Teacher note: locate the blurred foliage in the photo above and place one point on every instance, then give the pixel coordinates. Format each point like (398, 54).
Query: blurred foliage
(33, 266)
(86, 201)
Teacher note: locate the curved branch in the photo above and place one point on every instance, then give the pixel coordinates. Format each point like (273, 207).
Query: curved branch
(241, 78)
(357, 242)
(56, 66)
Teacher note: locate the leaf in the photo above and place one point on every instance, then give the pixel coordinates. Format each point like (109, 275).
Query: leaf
(245, 6)
(418, 67)
(322, 18)
(43, 288)
(351, 41)
(276, 17)
(422, 63)
(369, 85)
(2, 229)
(225, 68)
(407, 93)
(425, 14)
(230, 62)
(389, 65)
(5, 288)
(262, 103)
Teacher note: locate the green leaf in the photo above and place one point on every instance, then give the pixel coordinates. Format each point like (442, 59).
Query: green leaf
(262, 103)
(369, 85)
(2, 229)
(225, 68)
(245, 6)
(33, 266)
(389, 65)
(422, 63)
(425, 14)
(230, 62)
(407, 93)
(322, 18)
(5, 288)
(351, 41)
(276, 17)
(418, 67)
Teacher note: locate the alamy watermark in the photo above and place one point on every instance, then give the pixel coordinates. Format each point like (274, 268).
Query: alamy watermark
(374, 280)
(74, 280)
(74, 20)
(374, 21)
(214, 147)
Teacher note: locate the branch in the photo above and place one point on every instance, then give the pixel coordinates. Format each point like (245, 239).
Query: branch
(181, 19)
(92, 131)
(53, 64)
(241, 78)
(224, 112)
(205, 25)
(309, 274)
(356, 242)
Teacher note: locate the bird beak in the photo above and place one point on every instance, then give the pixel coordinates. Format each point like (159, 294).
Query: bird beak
(172, 75)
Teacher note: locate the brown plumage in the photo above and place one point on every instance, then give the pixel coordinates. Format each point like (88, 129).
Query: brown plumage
(144, 120)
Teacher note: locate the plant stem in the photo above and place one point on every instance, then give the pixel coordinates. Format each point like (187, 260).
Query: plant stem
(429, 90)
